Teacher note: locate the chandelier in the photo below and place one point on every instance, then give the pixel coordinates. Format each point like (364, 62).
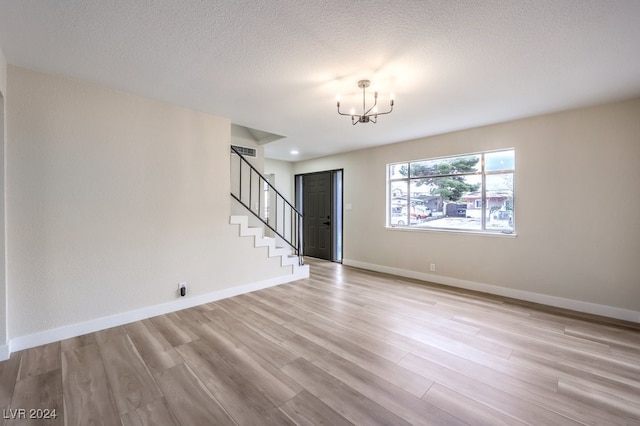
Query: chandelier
(368, 115)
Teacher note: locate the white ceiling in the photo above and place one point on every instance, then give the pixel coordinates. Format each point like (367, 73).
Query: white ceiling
(276, 66)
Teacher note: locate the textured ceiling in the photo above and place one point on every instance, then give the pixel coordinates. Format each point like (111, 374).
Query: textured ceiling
(276, 66)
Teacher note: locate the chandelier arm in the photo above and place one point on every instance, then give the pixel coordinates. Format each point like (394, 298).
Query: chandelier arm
(386, 112)
(372, 106)
(343, 113)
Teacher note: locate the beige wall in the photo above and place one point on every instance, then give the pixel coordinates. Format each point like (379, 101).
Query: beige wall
(3, 73)
(241, 136)
(3, 281)
(576, 201)
(112, 199)
(283, 177)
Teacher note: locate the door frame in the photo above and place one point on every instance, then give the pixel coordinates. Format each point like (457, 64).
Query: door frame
(337, 209)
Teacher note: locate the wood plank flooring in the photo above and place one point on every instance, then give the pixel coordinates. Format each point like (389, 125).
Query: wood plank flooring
(345, 346)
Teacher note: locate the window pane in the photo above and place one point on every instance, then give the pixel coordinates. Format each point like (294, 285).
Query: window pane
(496, 161)
(456, 189)
(424, 168)
(500, 202)
(453, 203)
(399, 193)
(420, 188)
(398, 171)
(446, 166)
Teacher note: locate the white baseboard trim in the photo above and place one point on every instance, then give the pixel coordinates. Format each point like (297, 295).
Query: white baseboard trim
(74, 330)
(559, 302)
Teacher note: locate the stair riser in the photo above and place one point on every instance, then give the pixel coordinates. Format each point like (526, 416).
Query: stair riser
(287, 259)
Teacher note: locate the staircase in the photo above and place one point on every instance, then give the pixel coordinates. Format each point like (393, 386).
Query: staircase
(279, 219)
(257, 232)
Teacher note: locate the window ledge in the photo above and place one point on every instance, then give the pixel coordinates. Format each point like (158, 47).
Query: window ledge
(451, 231)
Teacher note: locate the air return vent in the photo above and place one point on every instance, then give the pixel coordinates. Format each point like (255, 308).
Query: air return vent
(245, 151)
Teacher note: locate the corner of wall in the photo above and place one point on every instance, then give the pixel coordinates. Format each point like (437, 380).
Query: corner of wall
(4, 352)
(241, 136)
(4, 349)
(3, 73)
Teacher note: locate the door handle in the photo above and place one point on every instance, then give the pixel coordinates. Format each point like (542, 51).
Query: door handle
(326, 223)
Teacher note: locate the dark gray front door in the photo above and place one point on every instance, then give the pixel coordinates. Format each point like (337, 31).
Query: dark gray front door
(317, 220)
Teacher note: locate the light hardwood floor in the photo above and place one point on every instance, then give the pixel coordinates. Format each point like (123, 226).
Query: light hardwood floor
(345, 346)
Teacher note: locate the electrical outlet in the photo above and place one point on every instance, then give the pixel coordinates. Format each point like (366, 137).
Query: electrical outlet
(182, 289)
(432, 267)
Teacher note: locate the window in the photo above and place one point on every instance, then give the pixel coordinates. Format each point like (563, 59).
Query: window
(472, 192)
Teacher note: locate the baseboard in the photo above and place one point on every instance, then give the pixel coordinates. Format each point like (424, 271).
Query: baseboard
(558, 302)
(74, 330)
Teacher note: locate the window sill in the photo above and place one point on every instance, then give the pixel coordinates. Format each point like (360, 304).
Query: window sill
(451, 231)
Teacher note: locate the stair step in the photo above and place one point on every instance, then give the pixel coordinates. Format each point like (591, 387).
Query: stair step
(265, 242)
(290, 260)
(275, 252)
(239, 220)
(287, 259)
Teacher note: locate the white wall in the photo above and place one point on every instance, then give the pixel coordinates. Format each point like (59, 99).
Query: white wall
(112, 199)
(576, 210)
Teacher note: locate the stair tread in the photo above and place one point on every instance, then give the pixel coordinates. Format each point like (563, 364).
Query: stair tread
(260, 240)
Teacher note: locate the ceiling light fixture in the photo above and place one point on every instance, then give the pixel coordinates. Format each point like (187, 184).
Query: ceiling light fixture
(368, 115)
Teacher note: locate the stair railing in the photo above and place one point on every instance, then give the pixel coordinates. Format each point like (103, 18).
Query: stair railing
(256, 194)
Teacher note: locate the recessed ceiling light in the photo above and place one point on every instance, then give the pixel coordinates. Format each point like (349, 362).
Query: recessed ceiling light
(294, 152)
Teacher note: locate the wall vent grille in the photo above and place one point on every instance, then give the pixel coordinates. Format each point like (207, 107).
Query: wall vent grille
(245, 151)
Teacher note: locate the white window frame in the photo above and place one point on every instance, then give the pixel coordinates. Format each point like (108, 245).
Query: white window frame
(482, 173)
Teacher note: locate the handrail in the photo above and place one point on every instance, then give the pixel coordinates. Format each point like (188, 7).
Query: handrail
(258, 202)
